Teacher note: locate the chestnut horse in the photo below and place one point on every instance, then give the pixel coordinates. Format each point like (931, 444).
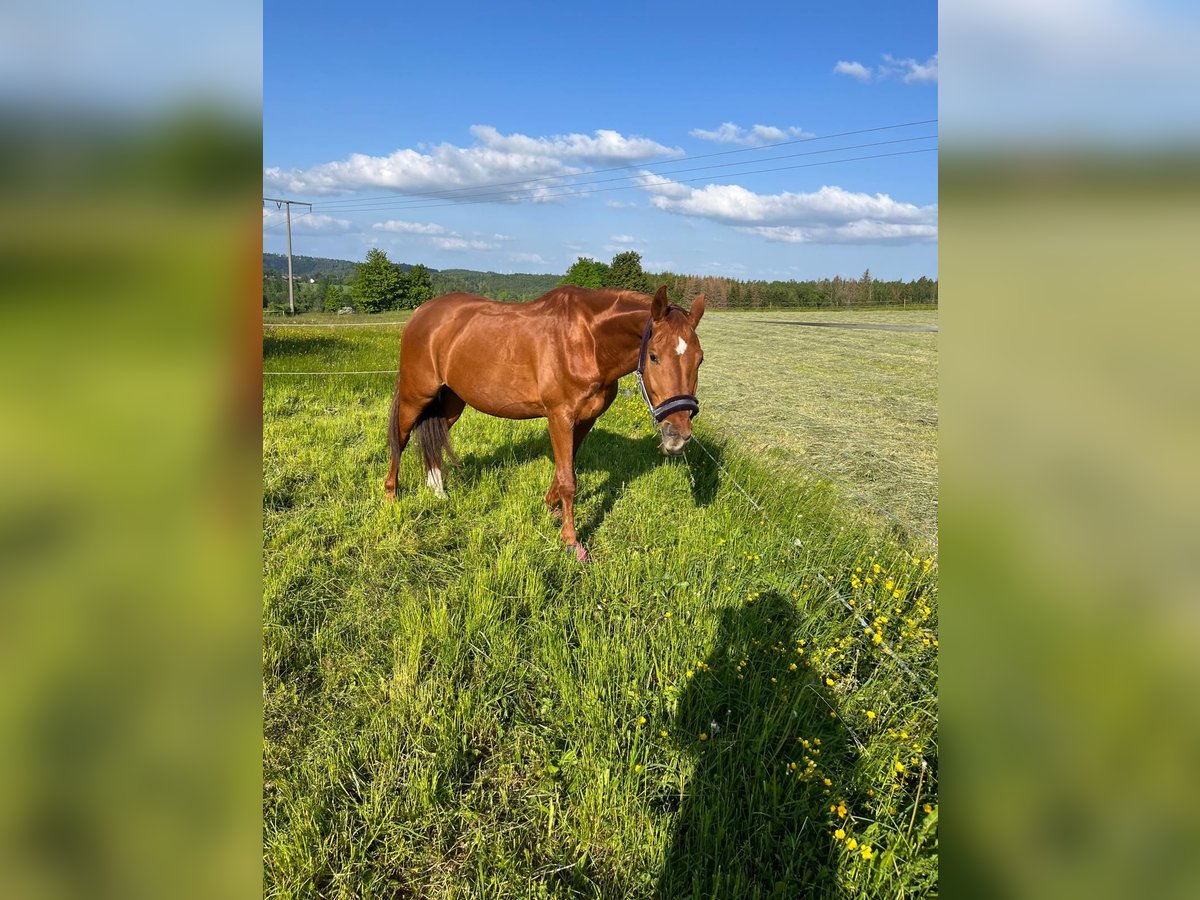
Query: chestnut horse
(558, 357)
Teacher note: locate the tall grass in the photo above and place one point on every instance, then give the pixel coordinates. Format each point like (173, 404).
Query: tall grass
(455, 708)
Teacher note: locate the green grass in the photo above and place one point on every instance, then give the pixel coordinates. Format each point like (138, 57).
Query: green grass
(453, 706)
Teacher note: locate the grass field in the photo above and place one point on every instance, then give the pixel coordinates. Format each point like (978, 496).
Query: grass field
(455, 708)
(860, 407)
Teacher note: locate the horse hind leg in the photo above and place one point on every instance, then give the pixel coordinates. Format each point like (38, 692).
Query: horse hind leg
(404, 417)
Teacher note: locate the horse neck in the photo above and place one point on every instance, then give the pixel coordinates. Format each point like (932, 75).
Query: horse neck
(619, 338)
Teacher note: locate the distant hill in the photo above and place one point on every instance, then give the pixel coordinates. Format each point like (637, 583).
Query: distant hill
(309, 266)
(497, 285)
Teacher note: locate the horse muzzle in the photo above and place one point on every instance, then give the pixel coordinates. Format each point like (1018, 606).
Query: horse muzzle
(673, 440)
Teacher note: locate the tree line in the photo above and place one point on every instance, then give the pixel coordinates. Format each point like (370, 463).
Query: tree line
(625, 271)
(378, 284)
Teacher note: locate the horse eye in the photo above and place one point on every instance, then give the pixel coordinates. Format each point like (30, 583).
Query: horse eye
(653, 358)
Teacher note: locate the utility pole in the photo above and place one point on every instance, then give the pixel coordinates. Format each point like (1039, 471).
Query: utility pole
(279, 205)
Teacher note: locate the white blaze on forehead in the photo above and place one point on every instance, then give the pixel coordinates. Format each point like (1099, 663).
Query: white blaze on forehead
(681, 347)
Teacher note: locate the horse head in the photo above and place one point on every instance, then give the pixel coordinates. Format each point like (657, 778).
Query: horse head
(670, 362)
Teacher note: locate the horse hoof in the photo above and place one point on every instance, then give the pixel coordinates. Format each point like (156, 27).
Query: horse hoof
(580, 553)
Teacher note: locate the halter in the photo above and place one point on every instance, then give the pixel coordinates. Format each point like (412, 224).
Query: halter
(671, 404)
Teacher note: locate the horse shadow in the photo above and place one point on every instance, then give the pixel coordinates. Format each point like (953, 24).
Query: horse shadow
(754, 819)
(617, 458)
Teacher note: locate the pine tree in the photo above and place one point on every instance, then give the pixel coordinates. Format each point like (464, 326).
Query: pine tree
(333, 299)
(625, 272)
(378, 285)
(420, 287)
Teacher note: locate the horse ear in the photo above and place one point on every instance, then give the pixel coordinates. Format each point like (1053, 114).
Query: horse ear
(697, 310)
(661, 305)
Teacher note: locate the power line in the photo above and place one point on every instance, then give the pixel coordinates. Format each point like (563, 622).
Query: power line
(400, 204)
(823, 137)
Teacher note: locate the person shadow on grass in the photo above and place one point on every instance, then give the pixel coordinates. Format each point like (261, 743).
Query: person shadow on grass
(752, 821)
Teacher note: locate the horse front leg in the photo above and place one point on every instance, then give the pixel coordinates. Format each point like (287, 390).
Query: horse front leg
(579, 432)
(562, 441)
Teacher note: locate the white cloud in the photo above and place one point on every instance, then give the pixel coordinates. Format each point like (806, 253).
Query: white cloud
(923, 73)
(607, 148)
(864, 231)
(458, 243)
(853, 69)
(909, 69)
(527, 258)
(306, 223)
(623, 239)
(828, 215)
(617, 204)
(400, 227)
(437, 235)
(517, 167)
(756, 136)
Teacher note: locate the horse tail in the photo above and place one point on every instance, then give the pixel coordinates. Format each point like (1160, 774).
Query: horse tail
(433, 434)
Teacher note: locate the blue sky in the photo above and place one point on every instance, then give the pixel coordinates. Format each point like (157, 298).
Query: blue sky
(472, 135)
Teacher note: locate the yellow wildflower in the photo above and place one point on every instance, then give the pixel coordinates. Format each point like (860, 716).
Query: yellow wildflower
(703, 736)
(867, 852)
(851, 844)
(840, 834)
(871, 714)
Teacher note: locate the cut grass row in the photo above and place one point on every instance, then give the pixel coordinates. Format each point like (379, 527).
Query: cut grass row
(859, 407)
(455, 708)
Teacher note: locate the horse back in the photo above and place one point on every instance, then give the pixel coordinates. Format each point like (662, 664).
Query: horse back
(514, 360)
